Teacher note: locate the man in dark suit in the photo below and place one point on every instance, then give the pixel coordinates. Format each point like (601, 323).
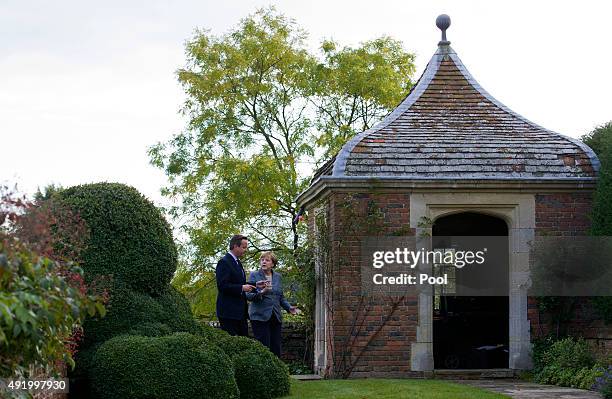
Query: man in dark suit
(231, 285)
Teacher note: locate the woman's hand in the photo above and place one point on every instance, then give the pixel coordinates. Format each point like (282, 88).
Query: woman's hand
(294, 310)
(263, 286)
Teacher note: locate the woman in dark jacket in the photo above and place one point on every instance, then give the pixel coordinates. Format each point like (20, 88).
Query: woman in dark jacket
(266, 303)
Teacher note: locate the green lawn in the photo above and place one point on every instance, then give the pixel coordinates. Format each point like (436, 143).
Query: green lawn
(386, 389)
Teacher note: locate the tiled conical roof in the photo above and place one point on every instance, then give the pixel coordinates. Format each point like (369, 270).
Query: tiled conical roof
(449, 127)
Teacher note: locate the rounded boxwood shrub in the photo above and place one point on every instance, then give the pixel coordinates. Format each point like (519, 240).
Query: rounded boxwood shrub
(212, 334)
(177, 312)
(151, 330)
(128, 308)
(80, 375)
(129, 237)
(176, 366)
(259, 373)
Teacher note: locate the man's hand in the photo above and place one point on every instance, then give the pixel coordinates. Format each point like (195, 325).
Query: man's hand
(294, 310)
(247, 288)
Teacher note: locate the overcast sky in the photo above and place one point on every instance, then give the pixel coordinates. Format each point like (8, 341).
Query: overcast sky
(86, 88)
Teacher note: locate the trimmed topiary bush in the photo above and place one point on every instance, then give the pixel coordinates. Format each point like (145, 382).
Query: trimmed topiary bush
(151, 330)
(130, 238)
(212, 334)
(233, 345)
(129, 308)
(174, 367)
(176, 311)
(259, 373)
(131, 352)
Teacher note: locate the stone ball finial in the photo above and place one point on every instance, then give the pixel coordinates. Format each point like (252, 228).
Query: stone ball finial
(443, 22)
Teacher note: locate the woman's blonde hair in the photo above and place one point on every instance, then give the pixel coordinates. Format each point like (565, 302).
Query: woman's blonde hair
(271, 255)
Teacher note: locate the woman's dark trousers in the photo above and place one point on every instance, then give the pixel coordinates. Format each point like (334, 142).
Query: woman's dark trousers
(268, 333)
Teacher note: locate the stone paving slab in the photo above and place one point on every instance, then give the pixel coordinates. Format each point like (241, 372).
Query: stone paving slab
(528, 390)
(306, 377)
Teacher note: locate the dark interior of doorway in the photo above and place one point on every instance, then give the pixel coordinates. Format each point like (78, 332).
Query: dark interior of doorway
(471, 332)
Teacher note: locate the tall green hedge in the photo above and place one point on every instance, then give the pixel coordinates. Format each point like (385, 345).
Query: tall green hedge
(600, 140)
(172, 367)
(130, 238)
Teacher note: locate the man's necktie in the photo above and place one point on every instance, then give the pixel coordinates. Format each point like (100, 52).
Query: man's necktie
(241, 268)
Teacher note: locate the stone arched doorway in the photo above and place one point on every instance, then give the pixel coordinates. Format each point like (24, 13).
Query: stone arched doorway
(518, 211)
(471, 331)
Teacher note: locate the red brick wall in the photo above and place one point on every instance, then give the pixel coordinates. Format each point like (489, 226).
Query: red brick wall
(564, 214)
(567, 214)
(362, 336)
(371, 336)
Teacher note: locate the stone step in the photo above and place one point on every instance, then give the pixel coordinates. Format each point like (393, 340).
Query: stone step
(306, 377)
(471, 374)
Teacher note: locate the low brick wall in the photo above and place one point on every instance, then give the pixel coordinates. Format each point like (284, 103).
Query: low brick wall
(584, 322)
(295, 347)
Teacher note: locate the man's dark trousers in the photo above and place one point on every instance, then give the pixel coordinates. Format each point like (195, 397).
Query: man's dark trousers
(231, 301)
(235, 327)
